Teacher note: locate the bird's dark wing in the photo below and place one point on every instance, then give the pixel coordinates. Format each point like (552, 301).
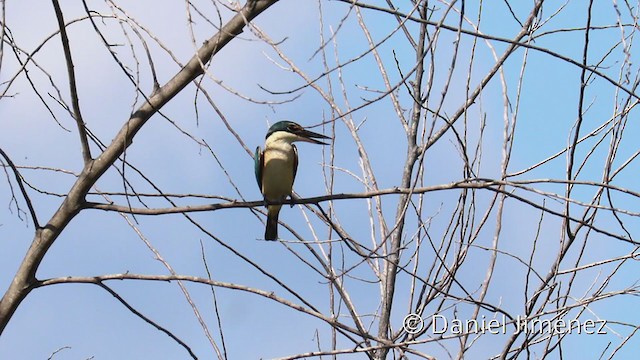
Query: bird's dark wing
(295, 161)
(258, 163)
(295, 168)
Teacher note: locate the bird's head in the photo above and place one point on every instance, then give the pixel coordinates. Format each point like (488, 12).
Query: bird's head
(290, 131)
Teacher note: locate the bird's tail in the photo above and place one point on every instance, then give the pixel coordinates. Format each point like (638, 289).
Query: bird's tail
(271, 231)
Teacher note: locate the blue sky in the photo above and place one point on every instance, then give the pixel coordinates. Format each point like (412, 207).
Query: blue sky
(93, 324)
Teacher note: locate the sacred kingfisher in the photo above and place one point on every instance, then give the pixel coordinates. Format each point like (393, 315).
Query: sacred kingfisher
(277, 165)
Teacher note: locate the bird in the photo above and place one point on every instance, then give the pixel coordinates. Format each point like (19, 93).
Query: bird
(276, 167)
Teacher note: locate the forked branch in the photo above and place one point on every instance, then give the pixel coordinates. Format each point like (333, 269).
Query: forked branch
(25, 278)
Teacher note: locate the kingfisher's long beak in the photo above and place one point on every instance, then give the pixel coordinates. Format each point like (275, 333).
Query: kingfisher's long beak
(308, 136)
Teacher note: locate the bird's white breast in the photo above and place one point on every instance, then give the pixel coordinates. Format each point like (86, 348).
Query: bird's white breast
(277, 174)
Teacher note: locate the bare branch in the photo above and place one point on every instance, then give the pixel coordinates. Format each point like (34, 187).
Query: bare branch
(77, 114)
(19, 181)
(94, 169)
